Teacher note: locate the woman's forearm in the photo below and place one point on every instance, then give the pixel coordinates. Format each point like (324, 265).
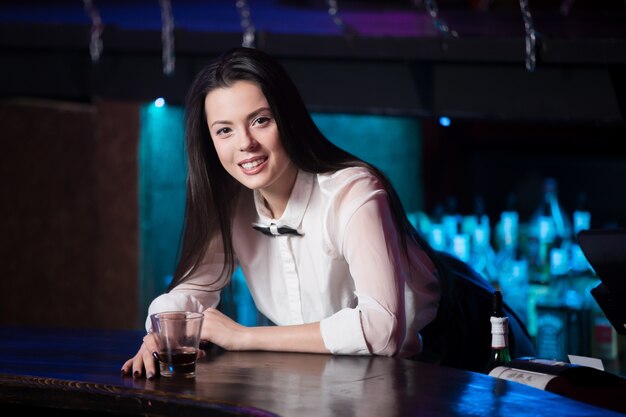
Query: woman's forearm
(225, 332)
(294, 338)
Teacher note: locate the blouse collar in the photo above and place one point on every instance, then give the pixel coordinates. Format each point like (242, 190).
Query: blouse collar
(296, 206)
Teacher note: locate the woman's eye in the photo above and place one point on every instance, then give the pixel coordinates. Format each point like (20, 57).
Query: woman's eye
(262, 120)
(223, 131)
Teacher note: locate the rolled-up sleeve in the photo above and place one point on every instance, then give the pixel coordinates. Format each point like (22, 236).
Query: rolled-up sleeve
(342, 333)
(181, 301)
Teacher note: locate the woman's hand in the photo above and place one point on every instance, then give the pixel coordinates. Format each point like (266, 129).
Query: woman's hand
(221, 330)
(144, 360)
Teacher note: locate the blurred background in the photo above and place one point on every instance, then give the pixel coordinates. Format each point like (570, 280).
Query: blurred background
(500, 122)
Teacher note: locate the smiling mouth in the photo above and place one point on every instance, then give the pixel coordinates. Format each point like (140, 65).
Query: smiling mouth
(249, 165)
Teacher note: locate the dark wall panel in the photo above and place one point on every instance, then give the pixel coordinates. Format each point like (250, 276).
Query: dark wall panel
(68, 252)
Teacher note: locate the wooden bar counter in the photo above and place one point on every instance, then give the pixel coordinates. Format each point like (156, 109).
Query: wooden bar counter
(77, 372)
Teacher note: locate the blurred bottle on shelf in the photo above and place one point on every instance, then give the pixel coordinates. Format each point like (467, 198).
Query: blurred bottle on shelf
(562, 318)
(511, 266)
(460, 247)
(549, 227)
(482, 255)
(551, 207)
(436, 236)
(581, 220)
(538, 264)
(514, 281)
(507, 231)
(456, 231)
(451, 223)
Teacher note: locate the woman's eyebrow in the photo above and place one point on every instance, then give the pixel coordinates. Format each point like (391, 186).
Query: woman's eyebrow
(221, 122)
(257, 112)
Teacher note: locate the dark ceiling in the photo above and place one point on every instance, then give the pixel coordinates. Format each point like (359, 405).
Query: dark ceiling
(379, 57)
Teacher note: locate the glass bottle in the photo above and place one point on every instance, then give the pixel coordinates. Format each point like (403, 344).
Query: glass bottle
(552, 208)
(436, 235)
(460, 247)
(581, 220)
(507, 247)
(451, 222)
(540, 244)
(507, 230)
(549, 227)
(499, 335)
(482, 257)
(562, 319)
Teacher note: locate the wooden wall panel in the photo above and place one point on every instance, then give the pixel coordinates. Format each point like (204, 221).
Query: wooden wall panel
(69, 254)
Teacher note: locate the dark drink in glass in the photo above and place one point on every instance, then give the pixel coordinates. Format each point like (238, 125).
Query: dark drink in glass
(178, 362)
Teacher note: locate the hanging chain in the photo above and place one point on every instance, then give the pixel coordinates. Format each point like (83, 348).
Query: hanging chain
(95, 41)
(167, 37)
(333, 12)
(246, 23)
(440, 25)
(531, 36)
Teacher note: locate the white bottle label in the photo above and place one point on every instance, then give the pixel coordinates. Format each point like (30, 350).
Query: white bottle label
(499, 332)
(534, 379)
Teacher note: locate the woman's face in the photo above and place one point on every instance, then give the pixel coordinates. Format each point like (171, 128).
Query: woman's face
(246, 138)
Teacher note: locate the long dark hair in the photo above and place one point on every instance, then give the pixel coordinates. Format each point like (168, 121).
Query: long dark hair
(212, 192)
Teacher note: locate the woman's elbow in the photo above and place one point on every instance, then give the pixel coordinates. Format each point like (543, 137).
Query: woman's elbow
(385, 335)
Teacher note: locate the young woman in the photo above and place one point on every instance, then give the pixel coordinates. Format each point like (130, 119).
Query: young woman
(321, 236)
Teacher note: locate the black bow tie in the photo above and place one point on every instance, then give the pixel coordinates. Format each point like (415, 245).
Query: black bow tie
(273, 230)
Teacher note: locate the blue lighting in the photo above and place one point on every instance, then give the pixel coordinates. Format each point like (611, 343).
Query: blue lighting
(159, 102)
(444, 121)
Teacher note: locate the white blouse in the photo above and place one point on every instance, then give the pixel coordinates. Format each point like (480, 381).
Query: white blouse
(346, 271)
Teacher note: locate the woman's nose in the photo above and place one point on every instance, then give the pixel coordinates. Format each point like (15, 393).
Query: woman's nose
(247, 142)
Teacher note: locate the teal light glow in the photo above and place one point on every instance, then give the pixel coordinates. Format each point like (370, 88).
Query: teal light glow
(162, 173)
(444, 121)
(159, 102)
